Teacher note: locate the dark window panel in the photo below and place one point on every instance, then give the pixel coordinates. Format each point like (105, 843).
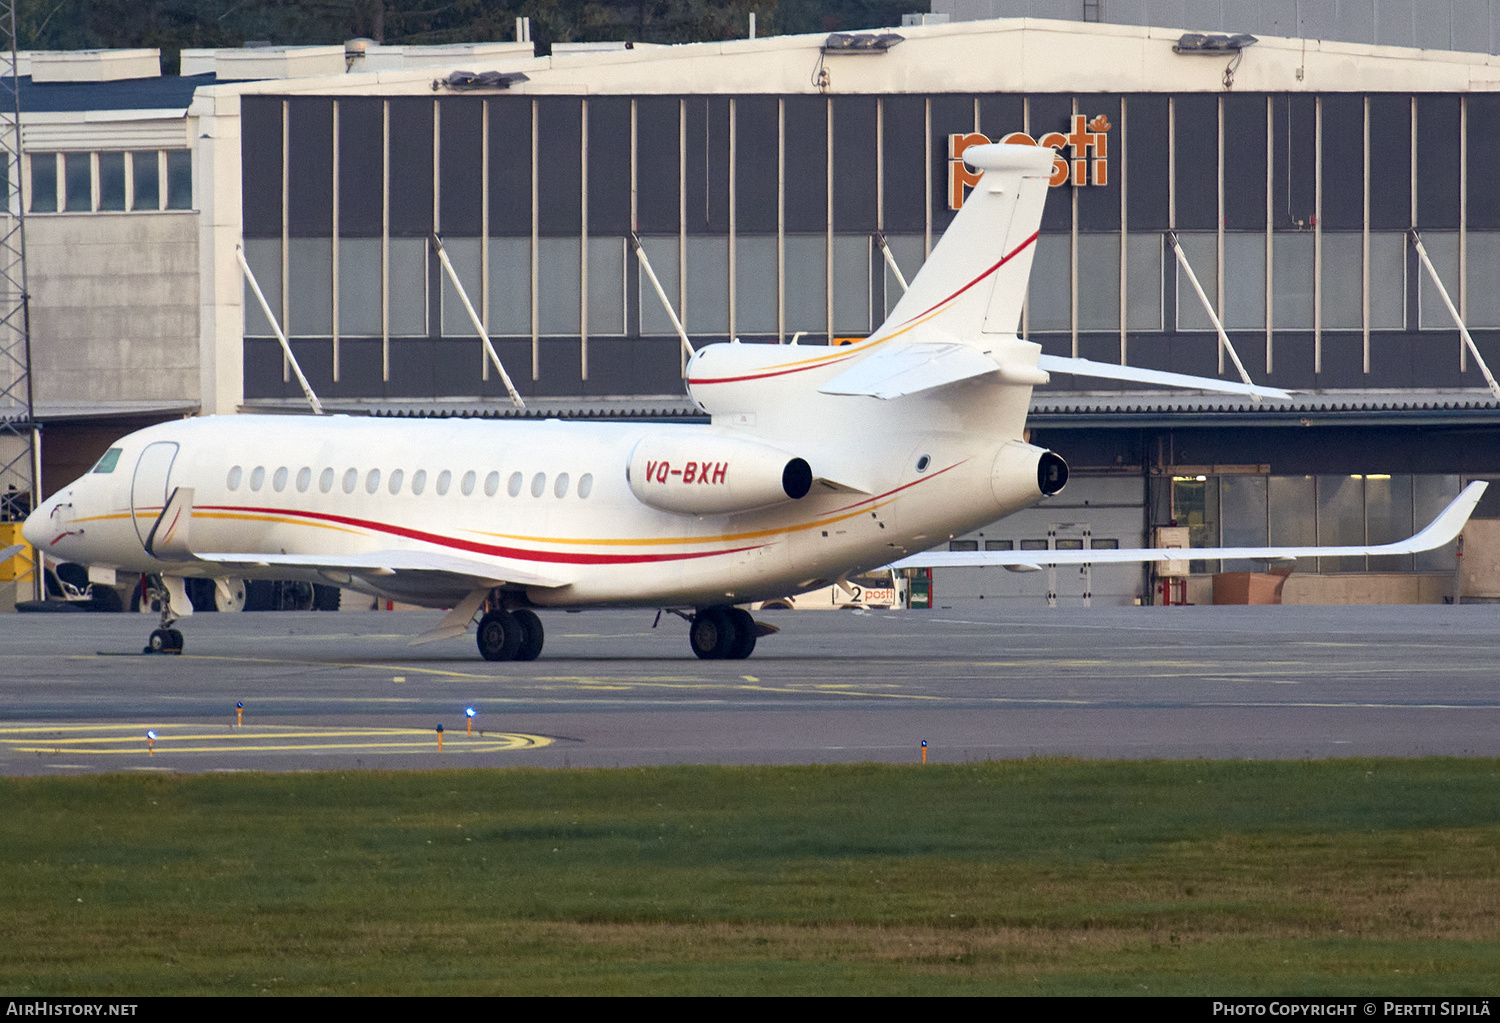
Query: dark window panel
(78, 179)
(609, 165)
(1390, 162)
(952, 114)
(1146, 152)
(411, 168)
(1245, 162)
(111, 180)
(510, 166)
(559, 162)
(361, 149)
(658, 148)
(806, 164)
(1295, 166)
(854, 163)
(262, 367)
(260, 165)
(1437, 161)
(1051, 113)
(180, 179)
(458, 368)
(310, 167)
(906, 164)
(1001, 114)
(460, 166)
(561, 366)
(411, 363)
(1484, 160)
(1099, 205)
(755, 172)
(708, 165)
(1343, 161)
(147, 187)
(515, 356)
(360, 365)
(1196, 128)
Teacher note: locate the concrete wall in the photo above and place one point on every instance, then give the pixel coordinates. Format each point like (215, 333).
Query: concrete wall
(1427, 588)
(114, 306)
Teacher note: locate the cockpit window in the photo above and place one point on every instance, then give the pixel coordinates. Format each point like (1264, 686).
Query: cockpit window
(109, 461)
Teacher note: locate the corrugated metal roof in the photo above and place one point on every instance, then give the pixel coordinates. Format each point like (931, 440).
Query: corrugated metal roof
(1350, 407)
(663, 407)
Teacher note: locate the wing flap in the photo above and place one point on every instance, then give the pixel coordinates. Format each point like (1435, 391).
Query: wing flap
(1443, 529)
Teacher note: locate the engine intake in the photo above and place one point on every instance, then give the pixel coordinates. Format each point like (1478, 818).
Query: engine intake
(715, 474)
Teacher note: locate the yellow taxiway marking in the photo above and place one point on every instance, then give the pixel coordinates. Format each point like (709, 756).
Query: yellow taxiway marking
(129, 739)
(317, 664)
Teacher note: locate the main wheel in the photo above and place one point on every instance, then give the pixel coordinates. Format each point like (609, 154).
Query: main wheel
(499, 636)
(532, 635)
(714, 635)
(744, 629)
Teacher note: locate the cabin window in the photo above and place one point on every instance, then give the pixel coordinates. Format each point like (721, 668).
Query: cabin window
(372, 481)
(585, 484)
(278, 481)
(419, 481)
(397, 476)
(444, 481)
(539, 484)
(467, 486)
(112, 458)
(513, 488)
(325, 480)
(257, 477)
(492, 484)
(351, 480)
(304, 479)
(235, 475)
(561, 487)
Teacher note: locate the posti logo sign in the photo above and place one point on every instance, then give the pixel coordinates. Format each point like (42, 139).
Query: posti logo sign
(1087, 162)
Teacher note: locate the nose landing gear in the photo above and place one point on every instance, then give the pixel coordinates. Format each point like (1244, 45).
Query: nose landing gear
(164, 640)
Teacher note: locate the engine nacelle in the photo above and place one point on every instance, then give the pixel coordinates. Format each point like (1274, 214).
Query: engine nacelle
(1023, 474)
(713, 475)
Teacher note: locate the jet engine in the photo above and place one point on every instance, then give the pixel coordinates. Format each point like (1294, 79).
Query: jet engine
(1024, 473)
(715, 474)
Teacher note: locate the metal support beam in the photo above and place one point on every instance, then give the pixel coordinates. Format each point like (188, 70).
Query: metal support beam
(1213, 316)
(489, 349)
(890, 260)
(1457, 319)
(640, 254)
(286, 348)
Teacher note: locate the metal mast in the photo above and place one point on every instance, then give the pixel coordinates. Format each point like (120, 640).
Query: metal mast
(20, 446)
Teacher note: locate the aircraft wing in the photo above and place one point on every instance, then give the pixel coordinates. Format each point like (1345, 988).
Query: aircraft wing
(1441, 530)
(1161, 378)
(394, 562)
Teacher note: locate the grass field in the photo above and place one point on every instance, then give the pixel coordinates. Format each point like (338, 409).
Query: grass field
(1039, 876)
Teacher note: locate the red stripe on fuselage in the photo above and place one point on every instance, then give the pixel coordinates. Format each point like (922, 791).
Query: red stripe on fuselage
(493, 550)
(1003, 260)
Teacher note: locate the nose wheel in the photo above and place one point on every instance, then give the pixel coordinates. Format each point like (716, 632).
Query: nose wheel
(163, 640)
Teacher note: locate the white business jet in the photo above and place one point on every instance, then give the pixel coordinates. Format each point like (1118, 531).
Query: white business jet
(818, 463)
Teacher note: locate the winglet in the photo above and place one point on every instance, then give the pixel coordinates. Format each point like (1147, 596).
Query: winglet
(1451, 520)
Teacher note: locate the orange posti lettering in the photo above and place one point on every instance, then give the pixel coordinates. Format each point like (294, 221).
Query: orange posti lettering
(1086, 164)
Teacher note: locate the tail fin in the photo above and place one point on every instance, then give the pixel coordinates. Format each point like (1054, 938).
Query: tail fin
(975, 280)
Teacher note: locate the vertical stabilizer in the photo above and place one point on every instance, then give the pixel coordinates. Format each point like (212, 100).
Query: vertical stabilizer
(975, 280)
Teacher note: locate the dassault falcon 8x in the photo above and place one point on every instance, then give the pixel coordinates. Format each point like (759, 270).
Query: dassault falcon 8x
(818, 463)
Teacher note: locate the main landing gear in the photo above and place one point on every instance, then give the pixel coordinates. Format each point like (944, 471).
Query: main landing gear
(164, 640)
(723, 634)
(510, 635)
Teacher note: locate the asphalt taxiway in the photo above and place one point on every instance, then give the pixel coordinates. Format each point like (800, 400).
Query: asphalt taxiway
(345, 690)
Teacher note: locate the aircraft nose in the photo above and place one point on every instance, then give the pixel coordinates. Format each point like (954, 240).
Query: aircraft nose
(34, 529)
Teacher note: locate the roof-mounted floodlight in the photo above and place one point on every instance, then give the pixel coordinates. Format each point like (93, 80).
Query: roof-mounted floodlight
(1210, 44)
(861, 42)
(464, 81)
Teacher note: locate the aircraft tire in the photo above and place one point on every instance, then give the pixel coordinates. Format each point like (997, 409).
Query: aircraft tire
(714, 634)
(532, 634)
(744, 629)
(176, 636)
(161, 642)
(499, 636)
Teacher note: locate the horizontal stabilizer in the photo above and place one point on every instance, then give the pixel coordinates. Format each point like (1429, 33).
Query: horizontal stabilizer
(1107, 371)
(1442, 530)
(909, 368)
(382, 563)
